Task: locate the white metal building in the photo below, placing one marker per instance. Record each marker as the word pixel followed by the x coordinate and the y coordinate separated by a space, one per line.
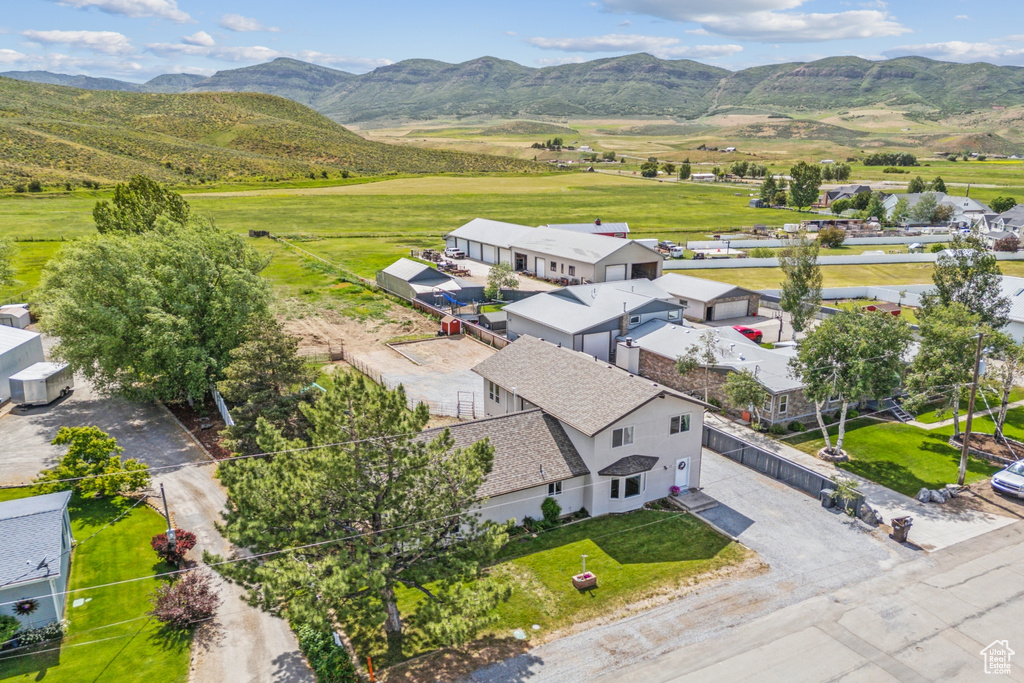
pixel 18 350
pixel 708 300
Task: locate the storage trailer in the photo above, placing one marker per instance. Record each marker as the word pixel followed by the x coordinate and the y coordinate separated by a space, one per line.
pixel 41 384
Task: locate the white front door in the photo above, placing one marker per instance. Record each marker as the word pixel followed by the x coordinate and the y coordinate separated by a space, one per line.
pixel 683 473
pixel 539 266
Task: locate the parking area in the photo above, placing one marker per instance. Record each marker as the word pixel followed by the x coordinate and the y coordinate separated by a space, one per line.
pixel 479 271
pixel 436 371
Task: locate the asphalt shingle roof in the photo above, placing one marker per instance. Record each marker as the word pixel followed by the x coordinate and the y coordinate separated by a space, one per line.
pixel 30 533
pixel 530 449
pixel 584 393
pixel 631 464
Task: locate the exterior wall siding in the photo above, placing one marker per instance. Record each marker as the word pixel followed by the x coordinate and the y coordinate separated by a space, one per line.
pixel 526 503
pixel 38 591
pixel 518 326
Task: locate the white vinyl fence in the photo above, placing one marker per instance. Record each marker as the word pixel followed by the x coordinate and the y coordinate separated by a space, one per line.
pixel 851 260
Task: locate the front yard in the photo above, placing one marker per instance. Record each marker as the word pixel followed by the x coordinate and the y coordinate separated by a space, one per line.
pixel 899 456
pixel 109 637
pixel 636 557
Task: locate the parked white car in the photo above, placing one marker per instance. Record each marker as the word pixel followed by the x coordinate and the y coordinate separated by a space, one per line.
pixel 1010 480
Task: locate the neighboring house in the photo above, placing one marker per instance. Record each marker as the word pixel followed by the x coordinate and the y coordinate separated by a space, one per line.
pixel 1013 289
pixel 841 192
pixel 652 349
pixel 18 350
pixel 993 236
pixel 595 228
pixel 415 280
pixel 707 300
pixel 1011 220
pixel 965 209
pixel 587 318
pixel 36 540
pixel 556 254
pixel 635 437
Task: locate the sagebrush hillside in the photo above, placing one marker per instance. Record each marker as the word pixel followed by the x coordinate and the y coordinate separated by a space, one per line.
pixel 59 134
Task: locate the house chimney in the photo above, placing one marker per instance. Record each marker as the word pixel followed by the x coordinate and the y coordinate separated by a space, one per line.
pixel 627 356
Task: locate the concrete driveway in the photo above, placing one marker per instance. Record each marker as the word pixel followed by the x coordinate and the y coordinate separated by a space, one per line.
pixel 810 551
pixel 244 643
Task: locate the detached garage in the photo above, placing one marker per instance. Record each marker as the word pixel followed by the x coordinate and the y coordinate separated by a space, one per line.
pixel 18 350
pixel 709 301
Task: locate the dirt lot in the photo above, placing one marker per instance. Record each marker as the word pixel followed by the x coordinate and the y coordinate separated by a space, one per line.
pixel 329 328
pixel 435 370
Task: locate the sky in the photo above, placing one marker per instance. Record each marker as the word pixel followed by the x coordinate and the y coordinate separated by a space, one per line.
pixel 137 39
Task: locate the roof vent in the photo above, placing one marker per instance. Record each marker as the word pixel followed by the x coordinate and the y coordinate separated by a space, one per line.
pixel 629 341
pixel 597 221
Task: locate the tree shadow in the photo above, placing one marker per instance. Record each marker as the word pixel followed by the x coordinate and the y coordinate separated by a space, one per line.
pixel 291 667
pixel 40 658
pixel 172 639
pixel 99 511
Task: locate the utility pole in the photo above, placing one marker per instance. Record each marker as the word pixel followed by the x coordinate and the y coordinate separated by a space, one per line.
pixel 171 536
pixel 970 414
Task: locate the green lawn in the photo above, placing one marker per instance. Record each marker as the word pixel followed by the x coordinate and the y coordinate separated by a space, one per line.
pixel 98 647
pixel 901 457
pixel 931 416
pixel 635 556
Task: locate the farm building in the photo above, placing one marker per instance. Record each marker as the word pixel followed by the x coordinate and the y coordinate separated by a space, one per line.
pixel 415 280
pixel 36 558
pixel 15 316
pixel 587 318
pixel 556 254
pixel 595 228
pixel 707 300
pixel 18 350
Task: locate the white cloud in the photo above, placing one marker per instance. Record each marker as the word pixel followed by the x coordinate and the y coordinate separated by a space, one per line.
pixel 61 63
pixel 199 38
pixel 767 20
pixel 997 52
pixel 626 23
pixel 962 17
pixel 558 61
pixel 106 42
pixel 164 9
pixel 11 57
pixel 511 33
pixel 659 46
pixel 355 63
pixel 241 24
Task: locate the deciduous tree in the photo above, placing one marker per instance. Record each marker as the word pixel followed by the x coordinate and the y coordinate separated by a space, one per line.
pixel 916 186
pixel 684 169
pixel 7 270
pixel 840 205
pixel 136 205
pixel 768 189
pixel 1002 204
pixel 186 602
pixel 501 276
pixel 969 274
pixel 801 288
pixel 153 315
pixel 93 464
pixel 400 504
pixel 831 237
pixel 744 391
pixel 804 184
pixel 702 354
pixel 937 185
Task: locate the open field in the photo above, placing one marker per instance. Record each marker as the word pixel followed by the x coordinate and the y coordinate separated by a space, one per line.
pixel 109 636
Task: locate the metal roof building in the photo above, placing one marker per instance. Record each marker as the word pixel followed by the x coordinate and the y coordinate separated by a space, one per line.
pixel 598 227
pixel 708 300
pixel 18 350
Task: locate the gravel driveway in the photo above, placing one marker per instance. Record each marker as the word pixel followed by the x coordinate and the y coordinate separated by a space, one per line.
pixel 809 550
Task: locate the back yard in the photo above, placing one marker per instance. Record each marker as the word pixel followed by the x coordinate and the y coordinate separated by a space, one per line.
pixel 109 635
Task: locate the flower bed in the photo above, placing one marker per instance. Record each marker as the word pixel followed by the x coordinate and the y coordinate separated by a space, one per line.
pixel 584 581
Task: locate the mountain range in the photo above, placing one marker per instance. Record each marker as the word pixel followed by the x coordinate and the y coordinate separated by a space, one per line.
pixel 633 85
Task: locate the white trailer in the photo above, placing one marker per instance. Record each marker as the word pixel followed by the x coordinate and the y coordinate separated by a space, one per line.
pixel 41 384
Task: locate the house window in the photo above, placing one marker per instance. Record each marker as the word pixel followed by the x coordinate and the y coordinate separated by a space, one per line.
pixel 632 486
pixel 673 315
pixel 622 436
pixel 767 407
pixel 555 488
pixel 634 320
pixel 554 266
pixel 563 269
pixel 680 423
pixel 572 270
pixel 783 404
pixel 615 488
pixel 493 391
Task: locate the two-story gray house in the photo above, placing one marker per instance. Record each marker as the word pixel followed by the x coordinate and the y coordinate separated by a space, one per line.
pixel 618 440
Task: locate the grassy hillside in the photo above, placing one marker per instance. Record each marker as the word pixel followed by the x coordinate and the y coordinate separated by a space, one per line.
pixel 60 134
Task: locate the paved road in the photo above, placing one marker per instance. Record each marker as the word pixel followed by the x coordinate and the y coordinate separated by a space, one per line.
pixel 926 620
pixel 244 644
pixel 810 552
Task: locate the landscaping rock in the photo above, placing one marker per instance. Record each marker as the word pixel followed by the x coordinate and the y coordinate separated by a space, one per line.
pixel 868 515
pixel 924 495
pixel 952 491
pixel 938 497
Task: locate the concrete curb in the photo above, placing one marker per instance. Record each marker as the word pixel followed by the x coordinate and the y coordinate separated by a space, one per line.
pixel 185 429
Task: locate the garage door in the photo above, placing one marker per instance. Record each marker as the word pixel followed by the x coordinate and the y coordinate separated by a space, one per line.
pixel 474 250
pixel 490 254
pixel 505 256
pixel 612 273
pixel 731 309
pixel 597 344
pixel 463 244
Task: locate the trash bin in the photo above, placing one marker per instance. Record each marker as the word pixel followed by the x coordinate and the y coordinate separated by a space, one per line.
pixel 828 498
pixel 900 528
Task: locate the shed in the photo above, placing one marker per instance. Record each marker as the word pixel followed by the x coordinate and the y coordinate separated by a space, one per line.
pixel 451 325
pixel 18 350
pixel 36 533
pixel 415 280
pixel 15 316
pixel 707 300
pixel 496 321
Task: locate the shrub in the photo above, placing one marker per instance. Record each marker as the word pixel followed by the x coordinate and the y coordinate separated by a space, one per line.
pixel 185 602
pixel 332 664
pixel 761 252
pixel 776 429
pixel 35 186
pixel 551 510
pixel 8 627
pixel 529 523
pixel 797 426
pixel 1010 244
pixel 19 188
pixel 34 636
pixel 184 541
pixel 852 414
pixel 937 247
